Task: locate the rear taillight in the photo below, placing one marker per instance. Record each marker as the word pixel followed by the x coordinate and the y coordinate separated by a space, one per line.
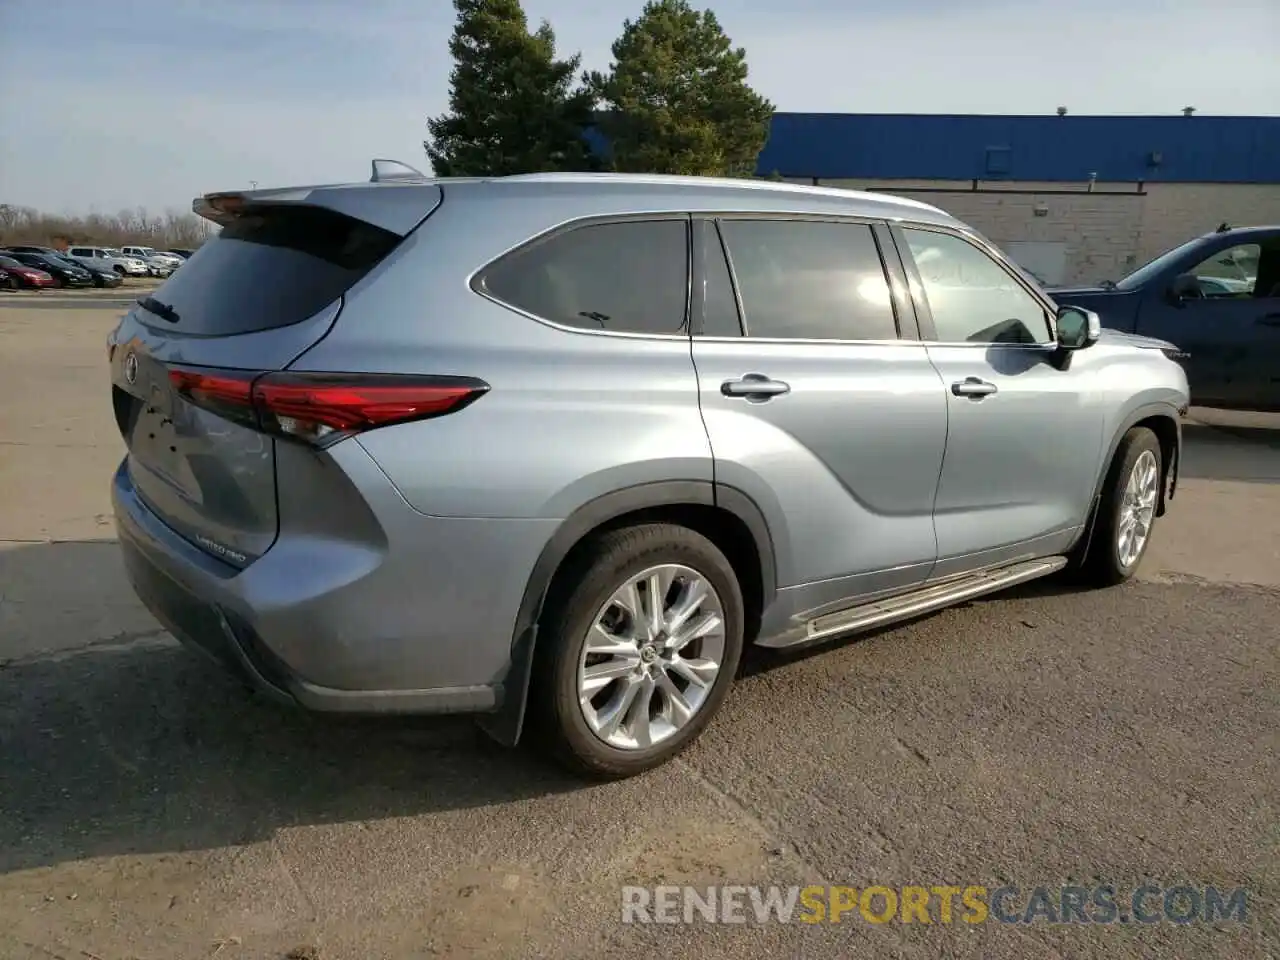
pixel 322 408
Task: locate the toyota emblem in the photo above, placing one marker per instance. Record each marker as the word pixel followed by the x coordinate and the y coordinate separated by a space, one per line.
pixel 131 367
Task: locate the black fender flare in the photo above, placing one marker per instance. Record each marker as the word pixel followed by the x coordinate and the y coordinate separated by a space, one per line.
pixel 1168 482
pixel 506 723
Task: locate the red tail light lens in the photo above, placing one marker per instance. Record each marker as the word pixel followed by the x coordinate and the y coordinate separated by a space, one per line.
pixel 228 394
pixel 322 408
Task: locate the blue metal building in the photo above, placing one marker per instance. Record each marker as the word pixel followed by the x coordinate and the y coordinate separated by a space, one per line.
pixel 1176 149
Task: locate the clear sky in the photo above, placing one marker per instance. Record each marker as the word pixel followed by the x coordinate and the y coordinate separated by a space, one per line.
pixel 108 104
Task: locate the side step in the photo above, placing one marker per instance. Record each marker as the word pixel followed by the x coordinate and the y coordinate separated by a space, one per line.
pixel 928 598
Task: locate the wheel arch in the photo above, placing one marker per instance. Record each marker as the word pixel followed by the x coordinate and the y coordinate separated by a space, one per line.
pixel 725 515
pixel 1165 421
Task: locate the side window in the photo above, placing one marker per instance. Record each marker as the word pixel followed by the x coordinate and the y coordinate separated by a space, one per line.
pixel 719 306
pixel 1229 274
pixel 810 280
pixel 630 277
pixel 972 298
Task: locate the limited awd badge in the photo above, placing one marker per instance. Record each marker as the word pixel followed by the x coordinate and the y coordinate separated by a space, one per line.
pixel 131 367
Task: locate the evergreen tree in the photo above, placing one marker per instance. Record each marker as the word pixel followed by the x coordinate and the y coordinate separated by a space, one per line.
pixel 513 107
pixel 676 98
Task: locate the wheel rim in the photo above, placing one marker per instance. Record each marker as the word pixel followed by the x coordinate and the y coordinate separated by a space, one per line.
pixel 1138 508
pixel 651 657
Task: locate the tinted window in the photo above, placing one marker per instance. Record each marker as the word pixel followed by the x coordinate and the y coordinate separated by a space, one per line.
pixel 719 306
pixel 972 298
pixel 808 280
pixel 269 268
pixel 623 277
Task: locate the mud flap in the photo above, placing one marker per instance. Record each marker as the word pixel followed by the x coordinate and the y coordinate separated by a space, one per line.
pixel 507 723
pixel 1171 477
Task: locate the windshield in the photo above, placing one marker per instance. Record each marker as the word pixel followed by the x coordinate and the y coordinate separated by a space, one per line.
pixel 1156 266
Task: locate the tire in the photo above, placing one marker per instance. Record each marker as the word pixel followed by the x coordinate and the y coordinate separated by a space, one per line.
pixel 119 269
pixel 1106 563
pixel 561 724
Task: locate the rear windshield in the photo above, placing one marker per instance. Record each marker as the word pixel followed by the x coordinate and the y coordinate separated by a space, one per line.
pixel 271 267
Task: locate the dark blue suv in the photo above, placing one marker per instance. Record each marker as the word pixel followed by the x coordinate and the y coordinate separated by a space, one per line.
pixel 1218 298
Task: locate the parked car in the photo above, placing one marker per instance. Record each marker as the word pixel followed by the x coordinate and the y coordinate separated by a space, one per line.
pixel 184 254
pixel 1218 298
pixel 99 277
pixel 29 249
pixel 25 277
pixel 568 442
pixel 64 274
pixel 137 266
pixel 155 266
pixel 151 255
pixel 106 258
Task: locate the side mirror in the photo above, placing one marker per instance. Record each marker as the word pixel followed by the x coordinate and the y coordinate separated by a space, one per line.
pixel 1185 286
pixel 1078 328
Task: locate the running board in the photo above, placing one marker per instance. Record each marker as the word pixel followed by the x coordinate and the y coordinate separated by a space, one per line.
pixel 927 599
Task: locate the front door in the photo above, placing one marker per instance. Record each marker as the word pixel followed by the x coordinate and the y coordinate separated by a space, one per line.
pixel 815 408
pixel 1024 442
pixel 1230 326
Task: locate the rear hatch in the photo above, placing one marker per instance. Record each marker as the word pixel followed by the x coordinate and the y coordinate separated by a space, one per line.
pixel 189 360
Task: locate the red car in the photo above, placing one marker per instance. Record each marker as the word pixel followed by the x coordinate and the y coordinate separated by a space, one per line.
pixel 20 275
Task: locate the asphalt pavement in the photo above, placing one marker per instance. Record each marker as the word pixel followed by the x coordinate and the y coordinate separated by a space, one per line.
pixel 149 807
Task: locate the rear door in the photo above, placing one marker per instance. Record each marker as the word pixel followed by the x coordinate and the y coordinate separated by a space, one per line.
pixel 253 298
pixel 816 406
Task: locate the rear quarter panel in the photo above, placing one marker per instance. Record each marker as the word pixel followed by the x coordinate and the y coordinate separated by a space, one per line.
pixel 570 415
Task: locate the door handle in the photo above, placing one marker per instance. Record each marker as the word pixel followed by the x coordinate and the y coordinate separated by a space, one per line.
pixel 1270 320
pixel 754 387
pixel 973 388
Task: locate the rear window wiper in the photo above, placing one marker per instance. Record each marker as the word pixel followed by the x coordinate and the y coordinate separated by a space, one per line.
pixel 161 310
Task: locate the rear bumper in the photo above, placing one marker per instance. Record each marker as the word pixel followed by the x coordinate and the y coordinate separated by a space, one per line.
pixel 317 634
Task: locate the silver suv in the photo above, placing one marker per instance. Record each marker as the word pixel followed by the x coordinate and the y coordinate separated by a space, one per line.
pixel 552 448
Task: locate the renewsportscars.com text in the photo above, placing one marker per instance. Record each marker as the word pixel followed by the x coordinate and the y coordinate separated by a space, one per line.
pixel 941 904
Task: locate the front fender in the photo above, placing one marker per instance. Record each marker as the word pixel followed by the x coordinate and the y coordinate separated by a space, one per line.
pixel 1173 412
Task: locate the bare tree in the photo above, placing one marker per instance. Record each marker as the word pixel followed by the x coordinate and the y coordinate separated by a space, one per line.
pixel 138 227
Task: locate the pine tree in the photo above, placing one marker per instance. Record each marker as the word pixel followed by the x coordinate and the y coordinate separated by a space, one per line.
pixel 513 107
pixel 676 98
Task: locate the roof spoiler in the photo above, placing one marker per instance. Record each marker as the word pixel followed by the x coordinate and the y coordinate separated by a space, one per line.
pixel 220 208
pixel 397 210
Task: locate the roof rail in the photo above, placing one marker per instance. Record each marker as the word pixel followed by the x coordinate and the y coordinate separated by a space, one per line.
pixel 384 170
